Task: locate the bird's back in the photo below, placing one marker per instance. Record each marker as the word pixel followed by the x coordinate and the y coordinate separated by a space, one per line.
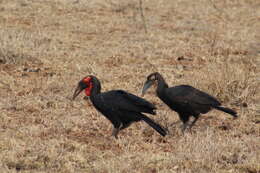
pixel 190 94
pixel 119 100
pixel 187 99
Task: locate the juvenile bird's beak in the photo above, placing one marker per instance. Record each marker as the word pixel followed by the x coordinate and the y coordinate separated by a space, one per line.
pixel 147 85
pixel 77 91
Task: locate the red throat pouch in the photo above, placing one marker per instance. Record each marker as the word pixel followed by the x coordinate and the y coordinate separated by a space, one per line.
pixel 88 90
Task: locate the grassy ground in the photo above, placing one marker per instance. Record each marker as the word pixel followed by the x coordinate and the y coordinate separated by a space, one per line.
pixel 47 46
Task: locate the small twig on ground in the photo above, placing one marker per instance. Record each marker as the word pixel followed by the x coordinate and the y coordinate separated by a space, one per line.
pixel 142 14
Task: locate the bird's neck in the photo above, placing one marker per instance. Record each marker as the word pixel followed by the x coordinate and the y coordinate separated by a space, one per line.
pixel 161 84
pixel 96 88
pixel 95 91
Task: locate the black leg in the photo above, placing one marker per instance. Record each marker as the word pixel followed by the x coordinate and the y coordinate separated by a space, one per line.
pixel 116 131
pixel 184 127
pixel 185 120
pixel 194 121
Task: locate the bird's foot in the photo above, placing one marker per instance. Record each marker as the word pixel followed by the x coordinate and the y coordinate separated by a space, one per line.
pixel 115 132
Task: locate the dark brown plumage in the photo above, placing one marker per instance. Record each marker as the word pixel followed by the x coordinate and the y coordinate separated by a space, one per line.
pixel 186 100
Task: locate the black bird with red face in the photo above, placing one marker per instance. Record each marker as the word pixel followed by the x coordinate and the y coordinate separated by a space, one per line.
pixel 184 99
pixel 119 107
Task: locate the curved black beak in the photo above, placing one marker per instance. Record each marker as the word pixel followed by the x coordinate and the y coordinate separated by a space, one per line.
pixel 77 91
pixel 147 85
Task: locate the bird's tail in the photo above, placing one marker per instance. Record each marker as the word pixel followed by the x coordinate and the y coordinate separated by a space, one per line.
pixel 154 125
pixel 227 110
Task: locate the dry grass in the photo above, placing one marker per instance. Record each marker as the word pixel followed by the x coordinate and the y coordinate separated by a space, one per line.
pixel 47 46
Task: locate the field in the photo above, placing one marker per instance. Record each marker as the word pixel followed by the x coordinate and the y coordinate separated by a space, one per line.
pixel 47 46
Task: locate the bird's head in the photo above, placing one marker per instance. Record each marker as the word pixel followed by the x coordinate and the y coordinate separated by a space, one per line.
pixel 151 79
pixel 85 84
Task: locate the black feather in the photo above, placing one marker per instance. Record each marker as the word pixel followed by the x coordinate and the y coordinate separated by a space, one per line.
pixel 186 100
pixel 227 110
pixel 154 125
pixel 122 108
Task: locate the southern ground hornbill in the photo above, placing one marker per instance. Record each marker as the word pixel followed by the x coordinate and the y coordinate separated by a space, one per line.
pixel 118 106
pixel 184 99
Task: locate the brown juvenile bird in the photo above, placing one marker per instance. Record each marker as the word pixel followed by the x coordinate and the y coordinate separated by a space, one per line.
pixel 186 100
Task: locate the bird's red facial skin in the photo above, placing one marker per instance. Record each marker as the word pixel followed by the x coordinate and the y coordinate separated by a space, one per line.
pixel 88 90
pixel 87 80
